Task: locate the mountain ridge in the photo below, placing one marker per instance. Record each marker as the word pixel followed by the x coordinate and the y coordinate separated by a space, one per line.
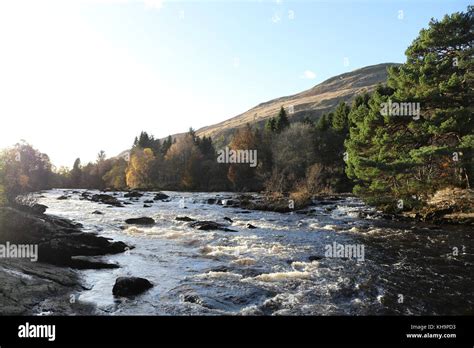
pixel 312 102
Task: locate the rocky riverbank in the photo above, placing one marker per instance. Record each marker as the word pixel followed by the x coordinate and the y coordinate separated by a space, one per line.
pixel 447 206
pixel 49 285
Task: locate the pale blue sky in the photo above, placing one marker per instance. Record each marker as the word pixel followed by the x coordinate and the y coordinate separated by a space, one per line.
pixel 84 75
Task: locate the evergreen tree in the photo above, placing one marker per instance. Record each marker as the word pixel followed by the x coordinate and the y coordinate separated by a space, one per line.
pixel 324 122
pixel 282 121
pixel 395 156
pixel 270 125
pixel 340 119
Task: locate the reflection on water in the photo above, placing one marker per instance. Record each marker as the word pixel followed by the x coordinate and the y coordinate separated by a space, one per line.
pixel 279 268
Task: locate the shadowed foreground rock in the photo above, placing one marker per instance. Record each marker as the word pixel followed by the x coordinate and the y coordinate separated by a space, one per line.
pixel 130 286
pixel 58 239
pixel 31 288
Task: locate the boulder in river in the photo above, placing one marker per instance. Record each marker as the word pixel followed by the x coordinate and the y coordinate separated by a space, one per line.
pixel 210 226
pixel 148 201
pixel 250 226
pixel 134 194
pixel 130 286
pixel 228 219
pixel 184 218
pixel 62 198
pixel 314 258
pixel 140 221
pixel 146 206
pixel 106 199
pixel 160 196
pixel 96 212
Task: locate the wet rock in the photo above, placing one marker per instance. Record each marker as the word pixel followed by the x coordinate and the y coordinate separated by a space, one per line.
pixel 315 258
pixel 30 288
pixel 218 269
pixel 38 209
pixel 146 206
pixel 148 201
pixel 35 209
pixel 210 226
pixel 130 286
pixel 106 199
pixel 228 219
pixel 184 218
pixel 276 205
pixel 250 226
pixel 133 194
pixel 140 221
pixel 191 298
pixel 96 212
pixel 62 198
pixel 58 239
pixel 160 196
pixel 82 262
pixel 228 203
pixel 211 201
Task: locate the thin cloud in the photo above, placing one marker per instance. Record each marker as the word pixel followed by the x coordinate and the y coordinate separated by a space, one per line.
pixel 308 75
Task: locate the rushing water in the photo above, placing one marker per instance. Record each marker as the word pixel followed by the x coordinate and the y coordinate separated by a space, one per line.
pixel 406 269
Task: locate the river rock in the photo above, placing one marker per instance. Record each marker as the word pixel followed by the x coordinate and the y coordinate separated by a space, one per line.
pixel 210 226
pixel 140 221
pixel 35 209
pixel 250 226
pixel 133 194
pixel 96 212
pixel 130 286
pixel 148 201
pixel 58 239
pixel 106 199
pixel 160 196
pixel 314 258
pixel 62 198
pixel 184 218
pixel 228 219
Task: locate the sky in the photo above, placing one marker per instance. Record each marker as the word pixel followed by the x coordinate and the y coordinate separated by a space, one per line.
pixel 80 76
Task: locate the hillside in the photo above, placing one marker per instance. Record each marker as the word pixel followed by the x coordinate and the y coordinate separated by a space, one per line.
pixel 312 103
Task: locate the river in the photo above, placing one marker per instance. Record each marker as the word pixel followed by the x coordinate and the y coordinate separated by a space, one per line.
pixel 281 267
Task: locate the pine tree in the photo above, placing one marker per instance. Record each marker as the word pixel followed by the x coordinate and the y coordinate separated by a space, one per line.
pixel 340 119
pixel 405 157
pixel 282 121
pixel 324 122
pixel 270 125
